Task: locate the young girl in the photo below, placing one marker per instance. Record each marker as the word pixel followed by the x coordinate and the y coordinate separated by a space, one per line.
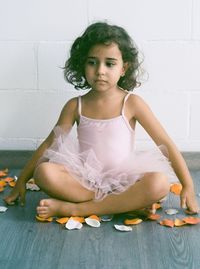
pixel 100 172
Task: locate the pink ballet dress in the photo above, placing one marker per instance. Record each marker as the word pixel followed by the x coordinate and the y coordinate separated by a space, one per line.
pixel 102 157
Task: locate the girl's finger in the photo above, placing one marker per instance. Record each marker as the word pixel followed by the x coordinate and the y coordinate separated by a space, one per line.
pixel 22 199
pixel 10 200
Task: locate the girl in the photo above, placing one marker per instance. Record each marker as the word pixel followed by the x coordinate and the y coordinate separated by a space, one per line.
pixel 100 173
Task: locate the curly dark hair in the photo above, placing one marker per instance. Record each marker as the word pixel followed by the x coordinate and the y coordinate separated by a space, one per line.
pixel 102 33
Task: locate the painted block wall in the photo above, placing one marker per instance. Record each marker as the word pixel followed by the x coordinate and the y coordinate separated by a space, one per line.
pixel 35 37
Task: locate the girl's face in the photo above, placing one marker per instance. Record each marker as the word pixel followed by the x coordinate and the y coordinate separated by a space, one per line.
pixel 104 67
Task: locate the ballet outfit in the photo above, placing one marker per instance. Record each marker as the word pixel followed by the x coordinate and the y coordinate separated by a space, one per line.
pixel 102 157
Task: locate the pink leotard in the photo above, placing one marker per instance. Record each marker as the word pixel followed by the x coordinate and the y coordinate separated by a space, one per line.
pixel 112 139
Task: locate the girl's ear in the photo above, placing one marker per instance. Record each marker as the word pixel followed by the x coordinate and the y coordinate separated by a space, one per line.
pixel 125 68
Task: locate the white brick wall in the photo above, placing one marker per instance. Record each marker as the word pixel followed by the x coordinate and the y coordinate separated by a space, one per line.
pixel 35 37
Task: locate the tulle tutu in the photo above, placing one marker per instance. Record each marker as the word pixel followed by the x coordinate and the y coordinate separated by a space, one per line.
pixel 90 173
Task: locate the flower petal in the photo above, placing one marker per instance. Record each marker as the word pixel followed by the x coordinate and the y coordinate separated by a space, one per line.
pixel 8 179
pixel 179 222
pixel 176 188
pixel 132 221
pixel 73 224
pixel 191 220
pixel 79 219
pixel 171 211
pixel 167 222
pixel 93 222
pixel 62 220
pixel 50 219
pixel 3 209
pixel 123 228
pixel 153 217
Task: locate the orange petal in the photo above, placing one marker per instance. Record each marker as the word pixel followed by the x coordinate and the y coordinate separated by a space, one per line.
pixel 3 174
pixel 167 222
pixel 132 221
pixel 79 219
pixel 8 179
pixel 94 217
pixel 2 183
pixel 179 222
pixel 43 219
pixel 12 184
pixel 153 217
pixel 191 220
pixel 176 188
pixel 62 220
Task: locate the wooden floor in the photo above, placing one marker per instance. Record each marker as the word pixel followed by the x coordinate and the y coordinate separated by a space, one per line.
pixel 28 244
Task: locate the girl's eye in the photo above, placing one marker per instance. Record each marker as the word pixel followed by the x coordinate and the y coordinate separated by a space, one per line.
pixel 91 62
pixel 110 64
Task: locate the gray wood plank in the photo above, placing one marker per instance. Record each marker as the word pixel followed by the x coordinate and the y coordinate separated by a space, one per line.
pixel 28 244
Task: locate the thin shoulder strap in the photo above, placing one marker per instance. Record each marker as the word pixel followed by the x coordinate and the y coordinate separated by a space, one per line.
pixel 79 105
pixel 125 99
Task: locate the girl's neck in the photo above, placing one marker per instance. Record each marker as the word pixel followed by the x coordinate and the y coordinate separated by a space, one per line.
pixel 105 94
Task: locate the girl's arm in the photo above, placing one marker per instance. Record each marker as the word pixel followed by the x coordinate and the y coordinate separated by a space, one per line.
pixel 143 114
pixel 66 120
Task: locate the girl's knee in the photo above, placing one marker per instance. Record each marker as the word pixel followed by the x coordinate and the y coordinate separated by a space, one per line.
pixel 158 185
pixel 44 172
pixel 41 170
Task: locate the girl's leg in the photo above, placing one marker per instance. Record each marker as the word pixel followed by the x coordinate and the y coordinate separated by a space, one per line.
pixel 151 188
pixel 54 180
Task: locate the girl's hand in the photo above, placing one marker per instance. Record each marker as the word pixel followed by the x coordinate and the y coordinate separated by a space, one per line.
pixel 188 200
pixel 18 192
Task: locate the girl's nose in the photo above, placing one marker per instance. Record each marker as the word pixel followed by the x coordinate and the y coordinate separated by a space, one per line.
pixel 100 69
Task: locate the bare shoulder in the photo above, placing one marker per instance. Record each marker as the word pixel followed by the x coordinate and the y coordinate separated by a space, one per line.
pixel 71 104
pixel 69 113
pixel 136 99
pixel 135 103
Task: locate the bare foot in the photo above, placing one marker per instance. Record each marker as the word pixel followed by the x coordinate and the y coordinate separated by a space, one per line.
pixel 53 207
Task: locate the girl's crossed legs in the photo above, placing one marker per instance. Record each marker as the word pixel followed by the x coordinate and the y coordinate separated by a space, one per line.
pixel 69 198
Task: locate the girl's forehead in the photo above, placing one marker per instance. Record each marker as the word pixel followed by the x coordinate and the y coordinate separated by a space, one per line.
pixel 107 50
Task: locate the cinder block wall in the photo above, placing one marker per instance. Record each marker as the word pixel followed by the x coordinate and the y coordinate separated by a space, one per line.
pixel 35 37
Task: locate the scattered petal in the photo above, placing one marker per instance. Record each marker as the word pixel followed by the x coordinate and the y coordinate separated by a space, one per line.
pixel 92 222
pixel 191 220
pixel 179 222
pixel 73 224
pixel 171 211
pixel 123 228
pixel 176 188
pixel 12 184
pixel 94 217
pixel 132 221
pixel 167 222
pixel 8 179
pixel 3 173
pixel 2 183
pixel 153 217
pixel 32 187
pixel 62 220
pixel 3 209
pixel 50 219
pixel 107 217
pixel 79 219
